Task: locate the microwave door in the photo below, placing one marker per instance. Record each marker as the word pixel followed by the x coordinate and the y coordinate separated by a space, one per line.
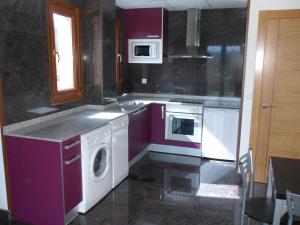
pixel 142 50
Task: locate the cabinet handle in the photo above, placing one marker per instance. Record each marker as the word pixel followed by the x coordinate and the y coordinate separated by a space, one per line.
pixel 72 145
pixel 73 160
pixel 162 112
pixel 153 36
pixel 140 111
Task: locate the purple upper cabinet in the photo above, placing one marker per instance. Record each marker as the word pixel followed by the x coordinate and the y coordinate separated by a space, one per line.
pixel 43 187
pixel 158 121
pixel 143 23
pixel 148 23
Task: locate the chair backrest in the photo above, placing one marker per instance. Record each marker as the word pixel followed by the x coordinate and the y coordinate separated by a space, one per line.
pixel 293 205
pixel 246 168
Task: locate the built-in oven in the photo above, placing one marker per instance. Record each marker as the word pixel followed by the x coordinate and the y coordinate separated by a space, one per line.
pixel 184 122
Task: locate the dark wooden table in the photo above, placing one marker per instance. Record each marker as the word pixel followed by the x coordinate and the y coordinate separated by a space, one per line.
pixel 284 174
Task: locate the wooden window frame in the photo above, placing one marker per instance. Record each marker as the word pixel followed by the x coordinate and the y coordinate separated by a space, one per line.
pixel 61 97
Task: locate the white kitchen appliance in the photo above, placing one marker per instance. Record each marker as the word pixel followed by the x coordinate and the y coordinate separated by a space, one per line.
pixel 184 122
pixel 96 166
pixel 220 132
pixel 120 149
pixel 145 51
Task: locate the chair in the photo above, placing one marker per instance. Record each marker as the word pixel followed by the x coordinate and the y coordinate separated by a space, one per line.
pixel 259 209
pixel 293 205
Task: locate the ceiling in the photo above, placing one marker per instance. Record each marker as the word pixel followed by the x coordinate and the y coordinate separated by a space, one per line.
pixel 182 4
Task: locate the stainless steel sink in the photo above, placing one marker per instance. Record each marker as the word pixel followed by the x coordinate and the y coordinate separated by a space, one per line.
pixel 130 103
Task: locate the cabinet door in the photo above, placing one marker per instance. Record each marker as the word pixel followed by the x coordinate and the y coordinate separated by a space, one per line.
pixel 145 127
pixel 72 173
pixel 143 23
pixel 220 129
pixel 158 123
pixel 133 136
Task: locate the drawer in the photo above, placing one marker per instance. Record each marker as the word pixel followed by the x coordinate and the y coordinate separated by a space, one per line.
pixel 71 148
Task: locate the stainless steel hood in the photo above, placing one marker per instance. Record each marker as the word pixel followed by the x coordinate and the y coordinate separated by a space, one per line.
pixel 192 48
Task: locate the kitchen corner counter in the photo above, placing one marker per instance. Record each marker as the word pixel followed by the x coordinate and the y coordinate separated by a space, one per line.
pixel 60 127
pixel 207 101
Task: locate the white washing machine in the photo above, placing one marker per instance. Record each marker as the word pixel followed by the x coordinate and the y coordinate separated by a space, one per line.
pixel 120 149
pixel 96 166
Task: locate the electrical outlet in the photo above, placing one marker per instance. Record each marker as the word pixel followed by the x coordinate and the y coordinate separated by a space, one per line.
pixel 144 80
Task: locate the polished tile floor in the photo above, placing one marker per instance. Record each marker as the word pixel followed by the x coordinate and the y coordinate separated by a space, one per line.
pixel 164 189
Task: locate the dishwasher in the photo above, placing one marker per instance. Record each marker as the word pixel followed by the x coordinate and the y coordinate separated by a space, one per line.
pixel 120 149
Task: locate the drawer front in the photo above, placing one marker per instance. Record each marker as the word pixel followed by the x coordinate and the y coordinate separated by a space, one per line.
pixel 71 148
pixel 72 173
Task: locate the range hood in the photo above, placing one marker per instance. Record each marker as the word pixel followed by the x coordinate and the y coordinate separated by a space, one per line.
pixel 192 48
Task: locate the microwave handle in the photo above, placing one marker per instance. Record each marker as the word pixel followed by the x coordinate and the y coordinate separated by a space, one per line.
pixel 153 36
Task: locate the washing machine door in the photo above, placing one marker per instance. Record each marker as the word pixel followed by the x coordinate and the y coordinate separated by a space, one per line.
pixel 100 163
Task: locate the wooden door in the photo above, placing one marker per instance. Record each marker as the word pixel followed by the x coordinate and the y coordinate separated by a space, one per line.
pixel 275 129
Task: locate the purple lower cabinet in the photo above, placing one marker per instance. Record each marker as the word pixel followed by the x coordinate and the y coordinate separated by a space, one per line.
pixel 133 134
pixel 145 128
pixel 36 181
pixel 158 120
pixel 139 131
pixel 72 173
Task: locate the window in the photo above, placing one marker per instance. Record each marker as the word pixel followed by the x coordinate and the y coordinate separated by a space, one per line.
pixel 65 60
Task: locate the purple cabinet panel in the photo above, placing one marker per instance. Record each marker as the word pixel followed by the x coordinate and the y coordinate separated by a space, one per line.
pixel 35 173
pixel 158 123
pixel 133 136
pixel 72 173
pixel 139 131
pixel 158 120
pixel 143 23
pixel 43 186
pixel 146 23
pixel 145 127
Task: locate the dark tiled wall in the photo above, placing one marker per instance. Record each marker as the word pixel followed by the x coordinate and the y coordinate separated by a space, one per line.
pixel 109 14
pixel 222 35
pixel 24 62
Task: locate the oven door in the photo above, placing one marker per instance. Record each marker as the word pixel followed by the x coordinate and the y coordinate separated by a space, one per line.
pixel 183 127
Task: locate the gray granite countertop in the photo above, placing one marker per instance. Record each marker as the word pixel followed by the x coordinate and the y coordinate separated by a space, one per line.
pixel 63 128
pixel 70 123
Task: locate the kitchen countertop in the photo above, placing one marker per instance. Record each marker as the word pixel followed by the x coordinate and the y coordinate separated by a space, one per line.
pixel 64 125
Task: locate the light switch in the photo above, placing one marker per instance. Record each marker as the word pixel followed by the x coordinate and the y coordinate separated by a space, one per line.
pixel 144 80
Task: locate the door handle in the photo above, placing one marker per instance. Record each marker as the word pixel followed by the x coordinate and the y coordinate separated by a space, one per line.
pixel 73 160
pixel 265 106
pixel 162 112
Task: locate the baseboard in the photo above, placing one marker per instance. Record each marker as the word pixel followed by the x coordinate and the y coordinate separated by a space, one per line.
pixel 174 150
pixel 138 157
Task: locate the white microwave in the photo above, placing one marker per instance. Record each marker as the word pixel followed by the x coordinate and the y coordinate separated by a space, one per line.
pixel 145 51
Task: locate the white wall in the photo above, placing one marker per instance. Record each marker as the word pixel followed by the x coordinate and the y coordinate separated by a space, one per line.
pixel 3 194
pixel 255 7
